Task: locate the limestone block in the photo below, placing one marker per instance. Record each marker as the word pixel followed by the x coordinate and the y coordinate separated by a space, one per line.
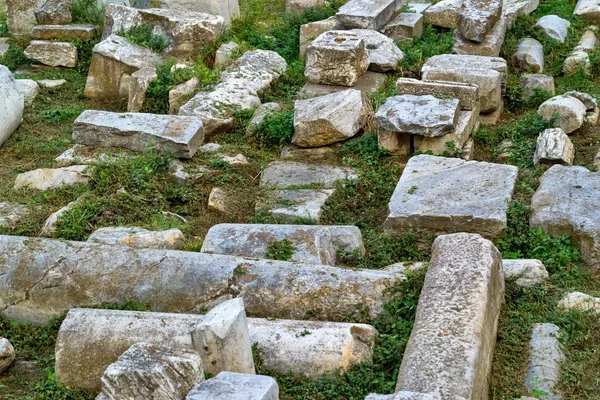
pixel 526 273
pixel 554 147
pixel 11 213
pixel 529 56
pixel 444 13
pixel 83 32
pixel 449 61
pixel 512 9
pixel 477 17
pixel 227 9
pixel 54 54
pixel 370 82
pixel 261 112
pixel 368 14
pixel 490 46
pixel 466 93
pixel 394 143
pixel 12 104
pixel 290 174
pixel 29 89
pixel 571 112
pixel 138 238
pixel 181 93
pixel 529 83
pixel 231 385
pixel 406 26
pixel 384 55
pixel 299 6
pixel 465 125
pixel 224 53
pixel 54 12
pixel 20 15
pixel 46 178
pixel 312 30
pixel 295 205
pixel 589 10
pixel 554 27
pixel 580 302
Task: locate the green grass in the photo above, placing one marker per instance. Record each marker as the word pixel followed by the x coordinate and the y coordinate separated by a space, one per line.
pixel 282 250
pixel 143 35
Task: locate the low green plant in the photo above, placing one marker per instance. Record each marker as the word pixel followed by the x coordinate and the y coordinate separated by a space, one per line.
pixel 276 128
pixel 432 42
pixel 88 12
pixel 281 250
pixel 143 35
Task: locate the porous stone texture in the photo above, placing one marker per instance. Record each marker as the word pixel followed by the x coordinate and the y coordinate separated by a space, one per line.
pixel 490 46
pixel 312 30
pixel 529 83
pixel 114 60
pixel 589 10
pixel 445 195
pixel 543 373
pixel 311 244
pixel 218 201
pixel 11 213
pixel 336 58
pixel 138 238
pixel 512 9
pixel 228 9
pixel 311 348
pixel 152 372
pixel 525 273
pixel 139 132
pixel 477 17
pixel 295 206
pixel 406 26
pixel 261 112
pixel 567 203
pixel 252 73
pixel 444 13
pixel 529 56
pixel 54 12
pixel 308 155
pixel 418 115
pixel 370 82
pixel 44 278
pixel 329 119
pixel 467 121
pixel 384 55
pixel 554 147
pixel 466 93
pixel 181 93
pixel 472 62
pixel 12 104
pixel 29 89
pixel 51 223
pixel 7 354
pixel 231 385
pixel 138 85
pixel 457 319
pixel 588 101
pixel 53 54
pixel 83 32
pixel 46 178
pixel 554 26
pixel 286 174
pixel 571 112
pixel 368 14
pixel 20 15
pixel 185 32
pixel 224 54
pixel 580 302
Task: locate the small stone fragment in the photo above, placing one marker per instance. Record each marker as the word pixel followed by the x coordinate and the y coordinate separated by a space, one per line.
pixel 289 174
pixel 580 302
pixel 51 222
pixel 477 17
pixel 444 13
pixel 261 112
pixel 52 83
pixel 139 238
pixel 181 93
pixel 554 27
pixel 406 26
pixel 224 53
pixel 11 213
pixel 529 56
pixel 554 147
pixel 45 179
pixel 233 386
pixel 544 363
pixel 525 273
pixel 530 83
pixel 217 201
pixel 571 112
pixel 490 46
pixel 589 10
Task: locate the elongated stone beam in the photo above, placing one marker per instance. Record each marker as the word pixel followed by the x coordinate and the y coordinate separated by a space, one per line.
pixel 41 278
pixel 451 346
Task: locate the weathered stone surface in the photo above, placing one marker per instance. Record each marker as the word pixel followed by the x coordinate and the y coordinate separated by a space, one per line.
pixel 418 115
pixel 114 60
pixel 46 178
pixel 473 62
pixel 20 16
pixel 580 302
pixel 457 319
pixel 218 201
pixel 468 150
pixel 4 47
pixel 467 93
pixel 251 73
pixel 231 385
pixel 370 82
pixel 52 83
pixel 406 26
pixel 336 58
pixel 307 155
pixel 529 56
pixel 493 117
pixel 382 52
pixel 7 354
pixel 227 9
pixel 529 83
pixel 152 372
pixel 571 112
pixel 224 54
pixel 404 395
pixel 54 12
pixel 543 373
pixel 477 17
pixel 11 213
pixel 295 206
pixel 554 27
pixel 29 89
pixel 490 46
pixel 589 10
pixel 51 222
pixel 467 121
pixel 46 277
pixel 310 348
pixel 185 32
pixel 138 85
pixel 512 9
pixel 444 13
pixel 446 195
pixel 580 58
pixel 588 101
pixel 329 119
pixel 138 238
pixel 181 93
pixel 394 143
pixel 54 54
pixel 223 340
pixel 566 203
pixel 368 14
pixel 554 147
pixel 138 132
pixel 65 32
pixel 298 6
pixel 417 7
pixel 261 112
pixel 289 174
pixel 312 30
pixel 311 244
pixel 526 273
pixel 11 103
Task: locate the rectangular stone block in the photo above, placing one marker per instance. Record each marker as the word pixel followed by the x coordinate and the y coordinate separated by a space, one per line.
pixel 65 32
pixel 489 47
pixel 438 145
pixel 446 61
pixel 139 132
pixel 53 54
pixel 232 386
pixel 467 93
pixel 398 144
pixel 12 104
pixel 406 26
pixel 20 16
pixel 451 346
pixel 368 14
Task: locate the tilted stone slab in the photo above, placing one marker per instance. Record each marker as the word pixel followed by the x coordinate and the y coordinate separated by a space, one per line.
pixel 589 10
pixel 467 93
pixel 370 82
pixel 489 47
pixel 451 345
pixel 477 17
pixel 448 61
pixel 139 132
pixel 65 32
pixel 44 278
pixel 368 14
pixel 12 104
pixel 233 386
pixel 445 195
pixel 567 202
pixel 546 356
pixel 53 54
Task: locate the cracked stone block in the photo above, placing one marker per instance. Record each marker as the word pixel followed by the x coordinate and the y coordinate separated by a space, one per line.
pixel 311 348
pixel 368 14
pixel 139 132
pixel 477 17
pixel 383 53
pixel 83 32
pixel 456 140
pixel 152 372
pixel 456 319
pixel 12 104
pixel 525 273
pixel 466 93
pixel 589 10
pixel 529 56
pixel 138 238
pixel 227 9
pixel 230 386
pixel 570 111
pixel 53 54
pixel 54 12
pixel 336 58
pixel 580 302
pixel 554 147
pixel 46 178
pixel 444 13
pixel 405 26
pixel 529 83
pixel 546 356
pixel 554 26
pixel 490 46
pixel 437 195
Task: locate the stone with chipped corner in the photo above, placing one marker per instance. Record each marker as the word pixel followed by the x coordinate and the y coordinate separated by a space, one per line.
pixel 54 12
pixel 443 13
pixel 312 30
pixel 456 319
pixel 466 93
pixel 7 354
pixel 83 32
pixel 529 56
pixel 329 119
pixel 218 201
pixel 455 140
pixel 554 147
pixel 46 178
pixel 139 132
pixel 406 26
pixel 231 385
pixel 441 195
pixel 532 83
pixel 383 53
pixel 490 46
pixel 554 26
pixel 477 17
pixel 546 356
pixel 53 54
pixel 581 302
pixel 568 111
pixel 525 273
pixel 12 104
pixel 368 14
pixel 138 238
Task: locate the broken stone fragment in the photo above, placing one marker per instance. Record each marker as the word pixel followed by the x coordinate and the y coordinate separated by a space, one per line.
pixel 29 89
pixel 181 93
pixel 444 13
pixel 227 9
pixel 394 143
pixel 53 54
pixel 477 17
pixel 525 273
pixel 588 10
pixel 45 178
pixel 384 55
pixel 370 82
pixel 405 26
pixel 529 56
pixel 146 371
pixel 469 62
pixel 554 147
pixel 546 356
pixel 368 14
pixel 490 46
pixel 50 225
pixel 139 238
pixel 307 155
pixel 554 26
pixel 224 54
pixel 312 30
pixel 570 111
pixel 83 32
pixel 450 142
pixel 588 101
pixel 12 104
pixel 7 354
pixel 11 213
pixel 513 9
pixel 295 206
pixel 466 93
pixel 579 302
pixel 579 60
pixel 54 12
pixel 231 385
pixel 329 119
pixel 298 6
pixel 20 15
pixel 290 174
pixel 259 116
pixel 531 82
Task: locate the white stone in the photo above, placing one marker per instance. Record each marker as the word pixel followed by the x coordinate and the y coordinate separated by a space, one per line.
pixel 529 82
pixel 234 386
pixel 580 58
pixel 543 373
pixel 579 302
pixel 45 178
pixel 445 195
pixel 50 225
pixel 452 342
pixel 512 9
pixel 473 62
pixel 138 238
pixel 588 101
pixel 29 89
pixel 444 13
pixel 368 14
pixel 477 17
pixel 554 147
pixel 11 103
pixel 54 54
pixel 490 46
pixel 238 159
pixel 11 213
pixel 467 93
pixel 529 56
pixel 589 10
pixel 259 116
pixel 329 119
pixel 571 112
pixel 554 27
pixel 405 26
pixel 139 132
pixel 290 174
pixel 224 54
pixel 295 206
pixel 384 55
pixel 20 15
pixel 228 9
pixel 7 354
pixel 310 31
pixel 526 273
pixel 52 83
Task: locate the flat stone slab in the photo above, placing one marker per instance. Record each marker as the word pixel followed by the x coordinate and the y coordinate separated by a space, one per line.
pixel 418 115
pixel 446 195
pixel 368 14
pixel 234 386
pixel 47 178
pixel 451 346
pixel 543 373
pixel 295 175
pixel 139 132
pixel 369 82
pixel 445 61
pixel 406 26
pixel 296 206
pixel 466 93
pixel 138 237
pixel 53 54
pixel 65 32
pixel 567 202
